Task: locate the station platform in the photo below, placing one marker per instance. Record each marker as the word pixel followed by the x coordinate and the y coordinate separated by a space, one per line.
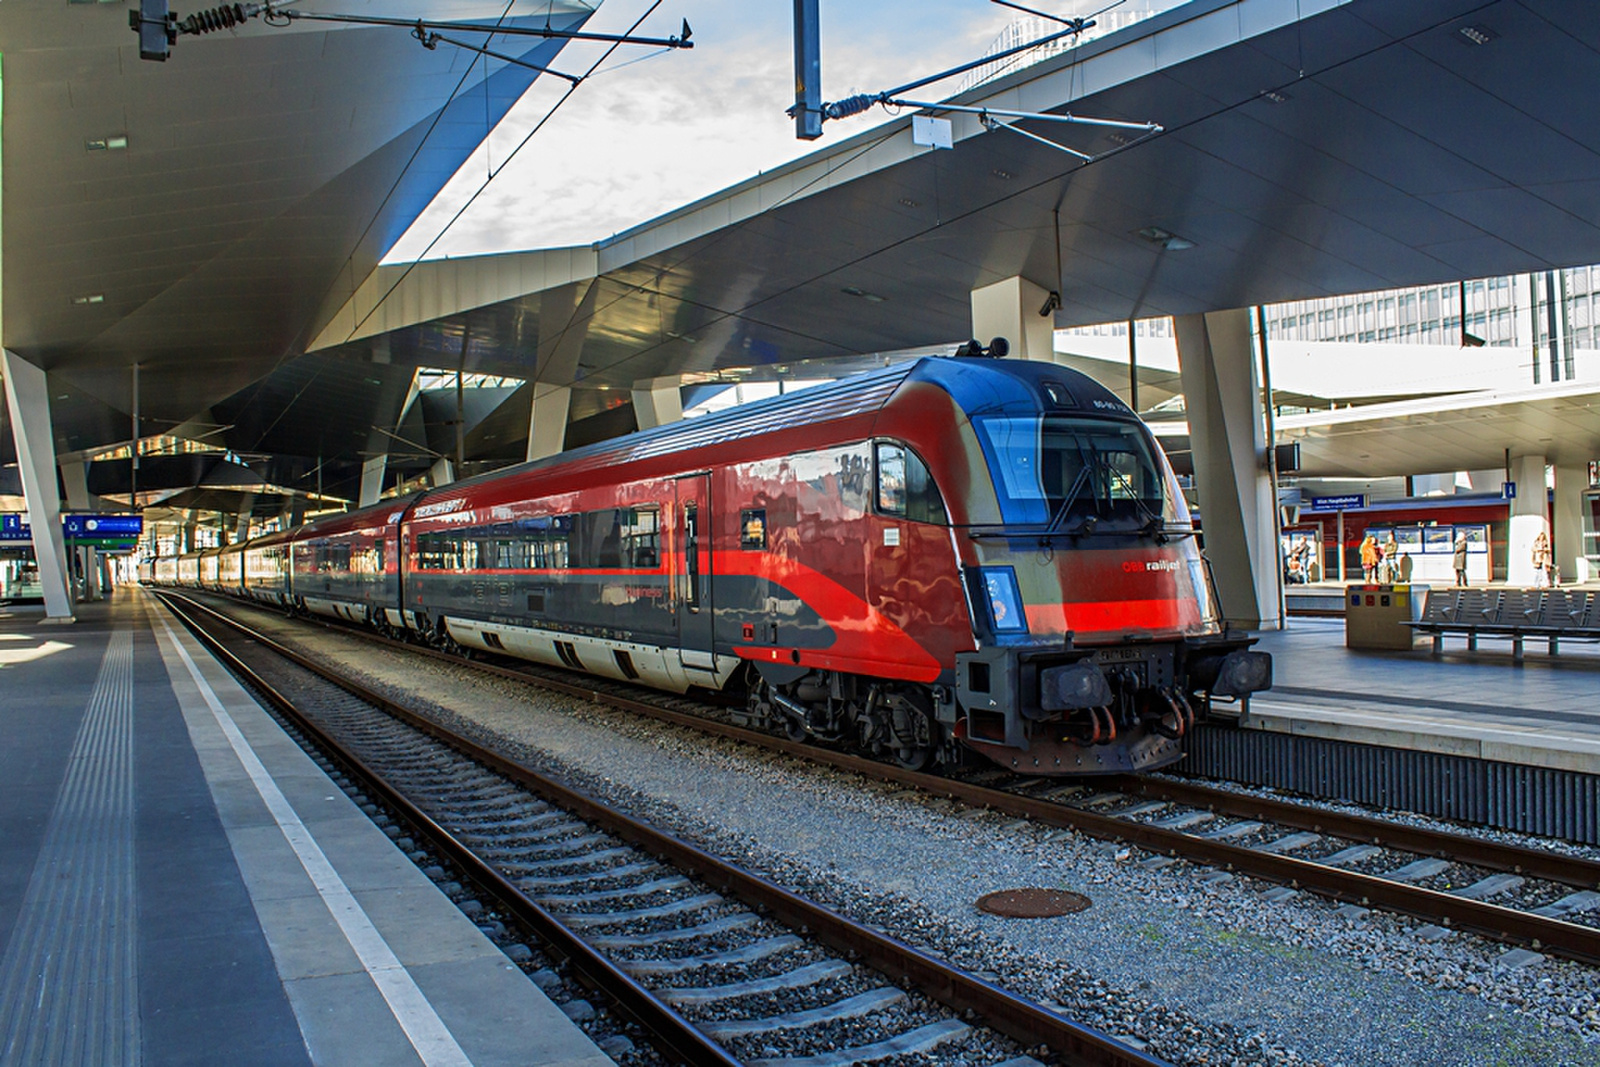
pixel 181 884
pixel 1479 705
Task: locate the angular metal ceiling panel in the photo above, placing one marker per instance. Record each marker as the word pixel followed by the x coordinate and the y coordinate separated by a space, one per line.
pixel 1365 146
pixel 258 167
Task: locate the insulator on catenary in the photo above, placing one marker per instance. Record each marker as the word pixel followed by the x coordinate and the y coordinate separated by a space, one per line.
pixel 850 105
pixel 225 17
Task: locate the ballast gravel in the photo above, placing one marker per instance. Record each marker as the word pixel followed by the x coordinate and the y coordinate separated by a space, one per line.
pixel 1197 972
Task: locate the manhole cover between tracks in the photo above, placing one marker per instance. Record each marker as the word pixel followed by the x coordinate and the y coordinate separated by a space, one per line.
pixel 1032 903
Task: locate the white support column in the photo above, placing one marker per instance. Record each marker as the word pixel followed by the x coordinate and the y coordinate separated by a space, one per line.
pixel 241 521
pixel 564 316
pixel 372 473
pixel 75 480
pixel 28 399
pixel 1010 308
pixel 1530 516
pixel 657 401
pixel 1572 480
pixel 91 574
pixel 1221 391
pixel 547 430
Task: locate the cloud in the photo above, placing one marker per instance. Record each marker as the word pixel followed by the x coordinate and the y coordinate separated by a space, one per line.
pixel 638 140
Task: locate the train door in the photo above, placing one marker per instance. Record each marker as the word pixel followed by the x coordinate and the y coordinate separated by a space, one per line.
pixel 691 558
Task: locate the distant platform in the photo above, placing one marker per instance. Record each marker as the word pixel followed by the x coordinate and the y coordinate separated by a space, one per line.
pixel 1482 705
pixel 181 884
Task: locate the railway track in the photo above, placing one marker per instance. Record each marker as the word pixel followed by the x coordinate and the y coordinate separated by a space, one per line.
pixel 719 965
pixel 1453 881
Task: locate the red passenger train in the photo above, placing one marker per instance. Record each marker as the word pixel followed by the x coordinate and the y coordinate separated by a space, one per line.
pixel 946 554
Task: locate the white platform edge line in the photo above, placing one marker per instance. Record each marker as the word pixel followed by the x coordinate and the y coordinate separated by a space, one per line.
pixel 428 1034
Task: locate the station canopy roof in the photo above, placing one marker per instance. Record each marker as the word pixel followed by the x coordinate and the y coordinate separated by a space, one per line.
pixel 1309 149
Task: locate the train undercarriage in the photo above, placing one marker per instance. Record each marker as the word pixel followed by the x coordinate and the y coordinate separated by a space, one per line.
pixel 1066 711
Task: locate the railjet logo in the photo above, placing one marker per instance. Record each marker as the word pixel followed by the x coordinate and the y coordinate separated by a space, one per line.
pixel 1134 566
pixel 445 507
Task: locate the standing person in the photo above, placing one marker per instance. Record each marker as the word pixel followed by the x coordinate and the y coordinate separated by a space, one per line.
pixel 1541 561
pixel 1369 555
pixel 1391 560
pixel 1460 560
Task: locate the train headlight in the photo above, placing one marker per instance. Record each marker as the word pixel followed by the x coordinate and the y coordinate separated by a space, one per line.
pixel 1004 600
pixel 1233 674
pixel 1242 672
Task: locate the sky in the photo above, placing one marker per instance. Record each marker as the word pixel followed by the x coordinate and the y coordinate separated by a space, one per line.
pixel 641 139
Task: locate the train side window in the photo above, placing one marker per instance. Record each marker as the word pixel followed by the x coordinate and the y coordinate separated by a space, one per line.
pixel 602 540
pixel 639 536
pixel 905 488
pixel 547 541
pixel 753 528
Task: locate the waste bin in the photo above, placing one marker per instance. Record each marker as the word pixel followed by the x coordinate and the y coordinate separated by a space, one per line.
pixel 1375 615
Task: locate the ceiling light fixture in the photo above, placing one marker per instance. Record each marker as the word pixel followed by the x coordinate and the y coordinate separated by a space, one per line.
pixel 1476 34
pixel 1275 96
pixel 907 201
pixel 91 298
pixel 102 144
pixel 871 298
pixel 1003 175
pixel 1165 238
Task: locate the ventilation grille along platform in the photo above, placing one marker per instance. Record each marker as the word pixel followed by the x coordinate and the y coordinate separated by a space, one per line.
pixel 1536 800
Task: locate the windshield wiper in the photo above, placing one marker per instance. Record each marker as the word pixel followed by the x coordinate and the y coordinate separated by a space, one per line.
pixel 1071 498
pixel 1155 525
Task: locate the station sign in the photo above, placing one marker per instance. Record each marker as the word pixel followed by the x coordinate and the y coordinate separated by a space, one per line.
pixel 1351 502
pixel 102 527
pixel 104 531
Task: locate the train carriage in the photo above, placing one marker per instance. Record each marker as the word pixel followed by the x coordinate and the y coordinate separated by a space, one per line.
pixel 230 569
pixel 995 553
pixel 946 555
pixel 347 566
pixel 207 576
pixel 188 570
pixel 266 568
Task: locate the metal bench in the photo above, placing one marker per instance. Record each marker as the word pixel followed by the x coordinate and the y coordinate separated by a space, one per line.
pixel 1552 615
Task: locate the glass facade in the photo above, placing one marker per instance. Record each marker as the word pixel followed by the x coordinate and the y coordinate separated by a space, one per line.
pixel 1547 316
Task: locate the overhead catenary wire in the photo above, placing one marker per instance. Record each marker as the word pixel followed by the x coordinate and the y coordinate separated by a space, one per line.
pixel 1014 62
pixel 743 312
pixel 377 212
pixel 942 222
pixel 1075 26
pixel 484 185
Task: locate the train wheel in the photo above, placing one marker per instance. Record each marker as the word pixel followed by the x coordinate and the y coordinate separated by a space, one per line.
pixel 794 729
pixel 915 732
pixel 915 758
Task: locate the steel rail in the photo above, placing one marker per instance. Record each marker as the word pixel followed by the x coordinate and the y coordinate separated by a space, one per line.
pixel 1499 923
pixel 1477 852
pixel 675 1033
pixel 1018 1018
pixel 1571 940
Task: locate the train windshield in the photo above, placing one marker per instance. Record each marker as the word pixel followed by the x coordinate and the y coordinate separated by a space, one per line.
pixel 1077 475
